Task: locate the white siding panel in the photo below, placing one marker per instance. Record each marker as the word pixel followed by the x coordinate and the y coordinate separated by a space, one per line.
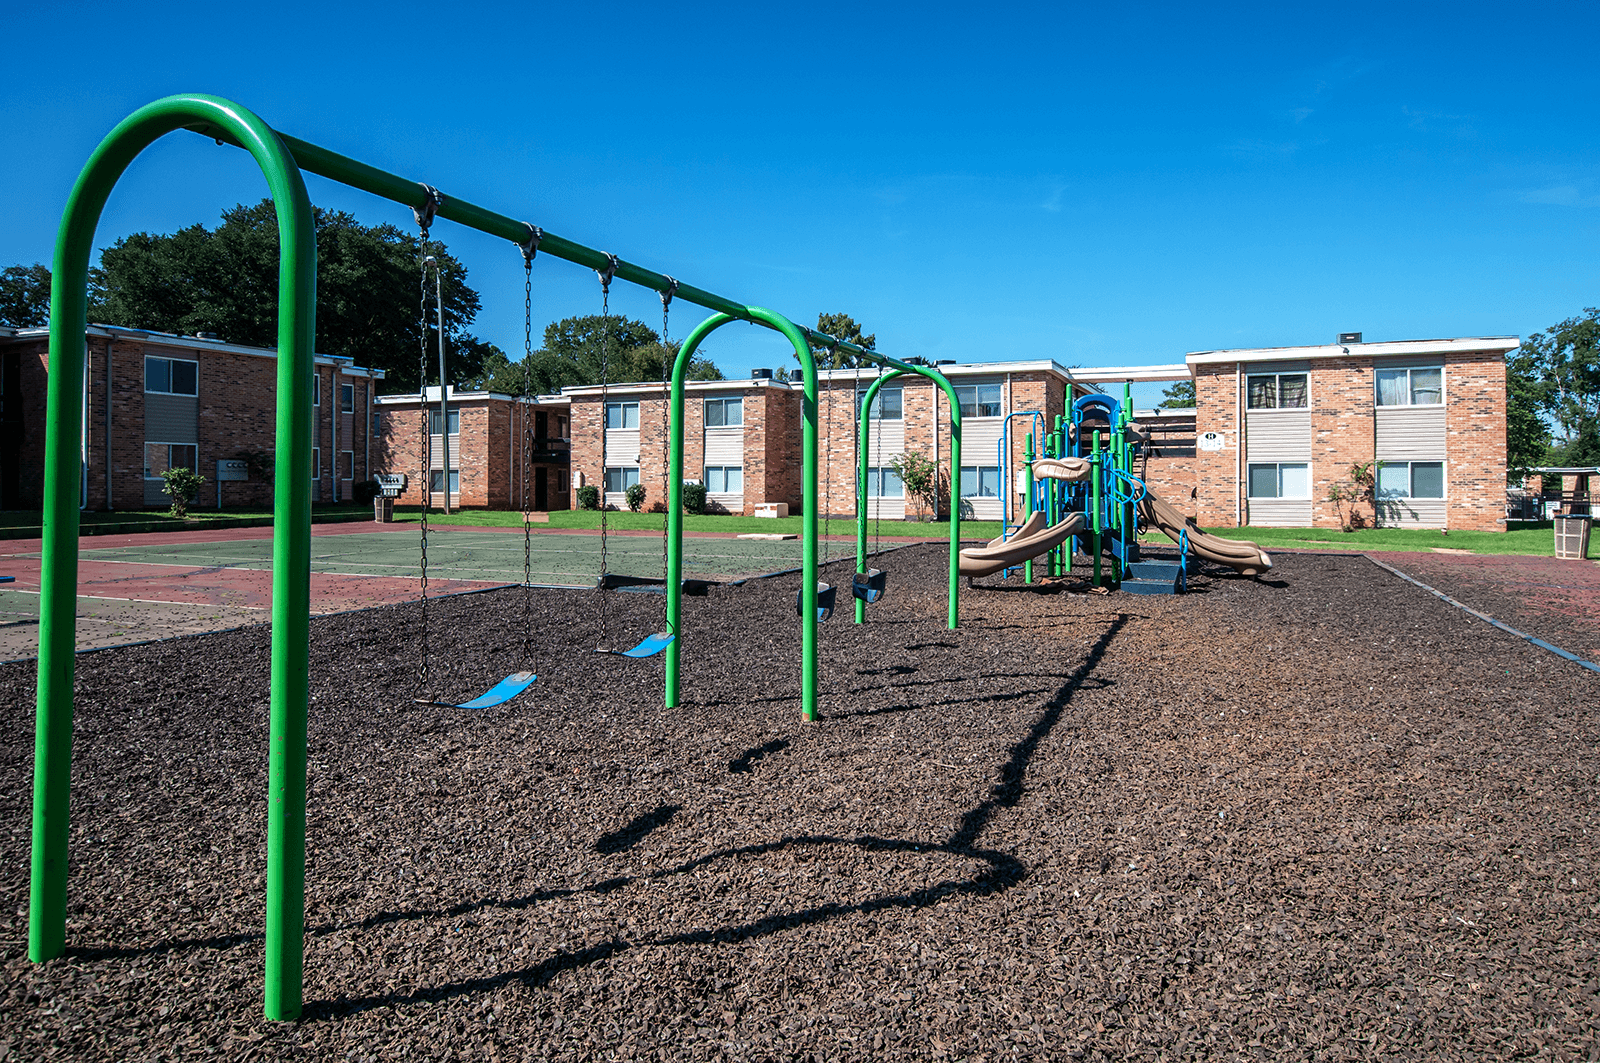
pixel 1412 513
pixel 980 440
pixel 622 446
pixel 886 508
pixel 983 508
pixel 1278 435
pixel 1411 433
pixel 1280 512
pixel 171 419
pixel 435 450
pixel 725 446
pixel 732 501
pixel 887 443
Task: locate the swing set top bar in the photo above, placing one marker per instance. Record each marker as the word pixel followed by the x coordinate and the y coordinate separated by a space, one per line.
pixel 416 195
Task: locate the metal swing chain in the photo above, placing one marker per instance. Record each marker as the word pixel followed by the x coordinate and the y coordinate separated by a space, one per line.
pixel 529 250
pixel 877 514
pixel 827 463
pixel 605 276
pixel 424 216
pixel 666 435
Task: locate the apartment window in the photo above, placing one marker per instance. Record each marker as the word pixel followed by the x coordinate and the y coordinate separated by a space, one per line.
pixel 884 482
pixel 1411 387
pixel 316 389
pixel 561 428
pixel 171 376
pixel 725 479
pixel 347 465
pixel 434 422
pixel 436 481
pixel 375 416
pixel 979 400
pixel 1277 391
pixel 720 413
pixel 1411 479
pixel 347 398
pixel 1280 480
pixel 159 457
pixel 888 405
pixel 561 480
pixel 620 478
pixel 622 415
pixel 980 481
pixel 316 463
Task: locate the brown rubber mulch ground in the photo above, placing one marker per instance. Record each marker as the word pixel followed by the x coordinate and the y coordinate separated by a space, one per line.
pixel 1323 816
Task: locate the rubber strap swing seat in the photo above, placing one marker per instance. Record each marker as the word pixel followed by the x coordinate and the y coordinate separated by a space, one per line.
pixel 826 596
pixel 499 694
pixel 869 585
pixel 613 581
pixel 652 645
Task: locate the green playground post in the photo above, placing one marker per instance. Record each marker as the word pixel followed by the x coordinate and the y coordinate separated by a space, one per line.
pixel 291 555
pixel 1094 504
pixel 1027 489
pixel 952 607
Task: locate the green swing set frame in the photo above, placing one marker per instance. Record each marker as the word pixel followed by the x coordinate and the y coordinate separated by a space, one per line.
pixel 282 159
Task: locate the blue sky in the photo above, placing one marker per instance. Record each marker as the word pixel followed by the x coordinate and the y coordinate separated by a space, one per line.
pixel 1089 183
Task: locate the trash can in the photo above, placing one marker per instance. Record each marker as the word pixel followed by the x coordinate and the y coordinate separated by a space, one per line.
pixel 383 511
pixel 1572 537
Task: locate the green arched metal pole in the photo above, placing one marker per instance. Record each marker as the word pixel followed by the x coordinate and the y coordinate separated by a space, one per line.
pixel 291 550
pixel 808 516
pixel 953 602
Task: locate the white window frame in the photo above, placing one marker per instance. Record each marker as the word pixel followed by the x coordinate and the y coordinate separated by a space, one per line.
pixel 348 458
pixel 148 390
pixel 455 481
pixel 980 473
pixel 967 395
pixel 1410 389
pixel 1277 391
pixel 316 464
pixel 316 387
pixel 623 410
pixel 722 471
pixel 877 476
pixel 1411 482
pixel 878 404
pixel 1278 467
pixel 170 463
pixel 347 398
pixel 723 405
pixel 454 419
pixel 623 471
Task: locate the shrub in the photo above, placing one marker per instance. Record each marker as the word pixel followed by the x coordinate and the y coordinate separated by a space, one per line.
pixel 1355 498
pixel 694 497
pixel 635 497
pixel 260 463
pixel 588 497
pixel 365 491
pixel 182 485
pixel 923 478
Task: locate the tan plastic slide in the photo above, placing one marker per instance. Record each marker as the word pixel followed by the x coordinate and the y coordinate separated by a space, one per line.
pixel 1035 536
pixel 1247 557
pixel 1031 540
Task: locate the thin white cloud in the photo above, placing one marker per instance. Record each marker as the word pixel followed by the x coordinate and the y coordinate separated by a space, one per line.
pixel 1559 196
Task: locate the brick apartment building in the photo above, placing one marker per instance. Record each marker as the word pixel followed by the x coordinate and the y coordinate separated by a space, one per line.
pixel 489 465
pixel 154 401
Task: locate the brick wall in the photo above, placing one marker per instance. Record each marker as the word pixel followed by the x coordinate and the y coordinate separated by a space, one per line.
pixel 1342 430
pixel 1216 471
pixel 237 412
pixel 771 447
pixel 1475 455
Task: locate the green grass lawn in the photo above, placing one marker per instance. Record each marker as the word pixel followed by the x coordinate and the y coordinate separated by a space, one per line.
pixel 627 521
pixel 1531 537
pixel 30 518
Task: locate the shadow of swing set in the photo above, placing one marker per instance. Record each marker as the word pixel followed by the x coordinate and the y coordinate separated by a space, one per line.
pixel 282 158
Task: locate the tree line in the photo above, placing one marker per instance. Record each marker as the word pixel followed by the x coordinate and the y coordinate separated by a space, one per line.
pixel 369 304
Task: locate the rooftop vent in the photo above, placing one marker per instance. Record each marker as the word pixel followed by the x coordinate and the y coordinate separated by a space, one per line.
pixel 213 336
pixel 1349 337
pixel 797 375
pixel 760 374
pixel 946 361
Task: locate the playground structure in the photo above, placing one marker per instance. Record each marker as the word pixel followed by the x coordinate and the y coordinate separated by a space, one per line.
pixel 282 159
pixel 1082 496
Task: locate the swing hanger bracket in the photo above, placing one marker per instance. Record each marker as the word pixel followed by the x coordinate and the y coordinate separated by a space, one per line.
pixel 429 209
pixel 530 248
pixel 608 273
pixel 668 292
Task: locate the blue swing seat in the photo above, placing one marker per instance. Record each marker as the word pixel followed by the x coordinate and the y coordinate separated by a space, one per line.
pixel 652 645
pixel 826 595
pixel 7 579
pixel 499 694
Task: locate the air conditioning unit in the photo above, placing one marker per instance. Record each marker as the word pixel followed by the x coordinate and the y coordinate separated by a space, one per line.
pixel 1349 337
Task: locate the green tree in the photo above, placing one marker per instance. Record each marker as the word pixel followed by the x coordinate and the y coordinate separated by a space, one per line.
pixel 588 350
pixel 226 281
pixel 842 327
pixel 1527 432
pixel 1180 396
pixel 1558 374
pixel 25 296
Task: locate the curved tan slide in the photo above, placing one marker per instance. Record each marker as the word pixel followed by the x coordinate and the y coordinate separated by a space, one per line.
pixel 1247 557
pixel 1031 540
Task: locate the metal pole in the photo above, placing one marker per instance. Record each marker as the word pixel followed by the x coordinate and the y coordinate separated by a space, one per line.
pixel 1094 504
pixel 291 550
pixel 1027 489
